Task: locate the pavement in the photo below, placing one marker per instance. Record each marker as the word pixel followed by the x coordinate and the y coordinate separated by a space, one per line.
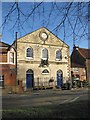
pixel 38 92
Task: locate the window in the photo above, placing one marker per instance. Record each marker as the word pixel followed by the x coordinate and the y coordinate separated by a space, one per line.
pixel 11 57
pixel 58 55
pixel 84 72
pixel 44 54
pixel 29 53
pixel 45 71
pixel 75 69
pixel 1 80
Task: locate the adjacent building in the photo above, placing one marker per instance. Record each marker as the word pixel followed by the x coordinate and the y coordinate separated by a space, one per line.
pixel 80 64
pixel 42 60
pixel 7 66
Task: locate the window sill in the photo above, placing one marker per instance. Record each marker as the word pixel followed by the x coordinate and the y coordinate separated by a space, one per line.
pixel 29 58
pixel 58 60
pixel 12 63
pixel 44 58
pixel 45 73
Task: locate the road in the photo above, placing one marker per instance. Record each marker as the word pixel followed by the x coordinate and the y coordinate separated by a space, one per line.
pixel 44 97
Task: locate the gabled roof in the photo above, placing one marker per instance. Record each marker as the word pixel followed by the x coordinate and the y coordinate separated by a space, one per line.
pixel 84 52
pixel 3 44
pixel 79 56
pixel 4 47
pixel 40 29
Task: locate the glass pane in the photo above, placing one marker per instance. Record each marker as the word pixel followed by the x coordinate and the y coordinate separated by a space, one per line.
pixel 58 55
pixel 29 52
pixel 12 57
pixel 45 53
pixel 45 71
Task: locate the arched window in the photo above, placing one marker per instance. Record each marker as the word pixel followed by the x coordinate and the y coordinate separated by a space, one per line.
pixel 29 53
pixel 58 55
pixel 45 71
pixel 44 54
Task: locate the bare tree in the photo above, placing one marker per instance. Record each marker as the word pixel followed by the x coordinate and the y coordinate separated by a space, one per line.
pixel 69 18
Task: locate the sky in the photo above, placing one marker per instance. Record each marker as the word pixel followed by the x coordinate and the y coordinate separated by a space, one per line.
pixel 49 15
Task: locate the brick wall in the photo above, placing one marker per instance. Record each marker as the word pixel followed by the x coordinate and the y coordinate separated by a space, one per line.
pixel 9 75
pixel 3 57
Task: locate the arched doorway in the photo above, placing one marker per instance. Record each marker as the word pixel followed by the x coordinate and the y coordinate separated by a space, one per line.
pixel 59 78
pixel 29 78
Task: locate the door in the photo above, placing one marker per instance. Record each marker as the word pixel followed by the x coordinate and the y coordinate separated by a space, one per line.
pixel 29 78
pixel 59 78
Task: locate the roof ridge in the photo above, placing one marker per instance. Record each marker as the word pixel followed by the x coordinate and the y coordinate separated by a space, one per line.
pixel 40 29
pixel 4 43
pixel 84 48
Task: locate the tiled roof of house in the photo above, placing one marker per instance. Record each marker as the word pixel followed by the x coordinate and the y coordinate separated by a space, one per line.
pixel 84 52
pixel 79 56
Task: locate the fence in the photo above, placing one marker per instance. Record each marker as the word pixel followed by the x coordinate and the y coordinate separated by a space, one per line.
pixel 45 82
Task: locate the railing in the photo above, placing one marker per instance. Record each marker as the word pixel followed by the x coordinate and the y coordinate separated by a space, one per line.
pixel 41 82
pixel 45 82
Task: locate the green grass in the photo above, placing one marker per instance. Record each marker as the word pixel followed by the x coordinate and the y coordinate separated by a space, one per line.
pixel 28 112
pixel 71 110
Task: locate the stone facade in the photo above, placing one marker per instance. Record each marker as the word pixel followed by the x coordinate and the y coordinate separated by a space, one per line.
pixel 41 69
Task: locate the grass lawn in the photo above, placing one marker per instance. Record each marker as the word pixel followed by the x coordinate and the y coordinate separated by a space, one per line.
pixel 70 110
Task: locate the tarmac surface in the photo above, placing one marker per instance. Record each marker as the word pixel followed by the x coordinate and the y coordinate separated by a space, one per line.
pixel 47 104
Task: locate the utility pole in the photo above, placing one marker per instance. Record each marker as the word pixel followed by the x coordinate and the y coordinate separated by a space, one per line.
pixel 16 52
pixel 88 64
pixel 0 37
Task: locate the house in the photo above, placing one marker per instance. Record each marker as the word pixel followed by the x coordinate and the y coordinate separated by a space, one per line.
pixel 43 60
pixel 80 64
pixel 7 66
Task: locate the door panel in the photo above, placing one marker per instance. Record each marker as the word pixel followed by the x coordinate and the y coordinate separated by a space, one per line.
pixel 59 79
pixel 29 80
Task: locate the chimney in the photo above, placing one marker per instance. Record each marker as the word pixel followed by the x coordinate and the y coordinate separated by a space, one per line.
pixel 75 47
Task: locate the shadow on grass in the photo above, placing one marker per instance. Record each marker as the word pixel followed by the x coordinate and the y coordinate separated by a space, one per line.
pixel 62 111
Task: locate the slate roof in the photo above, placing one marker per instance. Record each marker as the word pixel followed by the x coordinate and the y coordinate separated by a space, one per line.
pixel 2 47
pixel 3 44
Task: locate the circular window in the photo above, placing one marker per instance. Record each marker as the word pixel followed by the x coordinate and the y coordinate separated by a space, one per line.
pixel 43 36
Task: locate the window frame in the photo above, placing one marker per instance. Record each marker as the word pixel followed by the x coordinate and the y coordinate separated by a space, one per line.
pixel 43 58
pixel 2 81
pixel 32 53
pixel 12 58
pixel 58 59
pixel 45 72
pixel 75 69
